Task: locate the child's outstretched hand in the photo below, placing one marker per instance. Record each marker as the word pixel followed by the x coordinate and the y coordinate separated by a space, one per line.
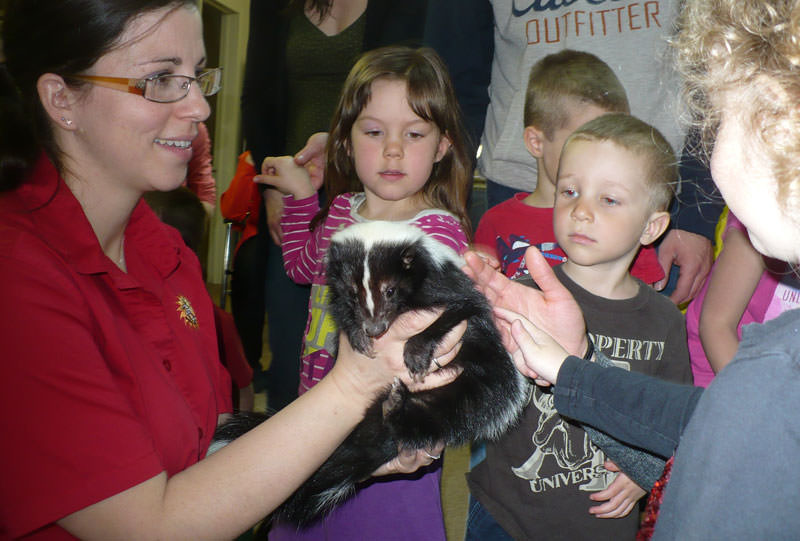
pixel 288 177
pixel 537 355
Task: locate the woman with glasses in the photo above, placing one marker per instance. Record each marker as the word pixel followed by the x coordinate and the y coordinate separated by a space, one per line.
pixel 110 381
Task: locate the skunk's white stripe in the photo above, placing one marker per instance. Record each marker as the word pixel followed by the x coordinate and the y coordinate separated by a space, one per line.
pixel 382 232
pixel 368 301
pixel 377 233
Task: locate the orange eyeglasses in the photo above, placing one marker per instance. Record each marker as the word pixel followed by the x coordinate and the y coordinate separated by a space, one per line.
pixel 164 88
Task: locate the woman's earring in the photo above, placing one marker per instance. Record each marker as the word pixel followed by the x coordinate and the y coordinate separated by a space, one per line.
pixel 66 121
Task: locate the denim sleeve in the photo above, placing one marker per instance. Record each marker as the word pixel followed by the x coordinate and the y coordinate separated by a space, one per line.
pixel 634 408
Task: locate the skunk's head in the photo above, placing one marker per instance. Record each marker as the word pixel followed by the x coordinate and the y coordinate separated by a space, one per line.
pixel 375 273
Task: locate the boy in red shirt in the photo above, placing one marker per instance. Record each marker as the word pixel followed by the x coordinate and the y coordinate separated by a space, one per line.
pixel 565 90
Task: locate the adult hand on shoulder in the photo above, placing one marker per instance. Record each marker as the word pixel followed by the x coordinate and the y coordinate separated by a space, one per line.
pixel 551 309
pixel 694 254
pixel 619 498
pixel 312 157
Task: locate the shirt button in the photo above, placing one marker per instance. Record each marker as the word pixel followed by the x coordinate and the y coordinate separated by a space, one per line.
pixel 167 365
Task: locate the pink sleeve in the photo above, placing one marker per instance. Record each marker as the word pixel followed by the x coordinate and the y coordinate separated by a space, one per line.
pixel 301 251
pixel 199 176
pixel 446 229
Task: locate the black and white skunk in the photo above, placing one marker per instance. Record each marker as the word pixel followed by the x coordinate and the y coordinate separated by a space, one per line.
pixel 377 271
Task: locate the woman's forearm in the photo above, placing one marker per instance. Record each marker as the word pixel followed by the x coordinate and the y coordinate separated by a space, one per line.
pixel 230 491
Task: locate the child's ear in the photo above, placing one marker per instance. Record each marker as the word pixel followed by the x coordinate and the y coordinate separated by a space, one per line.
pixel 655 227
pixel 57 99
pixel 534 141
pixel 444 146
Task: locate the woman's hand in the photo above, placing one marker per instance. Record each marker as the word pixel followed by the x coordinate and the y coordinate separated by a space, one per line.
pixel 312 157
pixel 371 374
pixel 536 354
pixel 552 309
pixel 409 460
pixel 288 177
pixel 368 375
pixel 619 498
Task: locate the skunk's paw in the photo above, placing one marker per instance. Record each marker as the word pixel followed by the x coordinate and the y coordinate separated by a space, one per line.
pixel 418 356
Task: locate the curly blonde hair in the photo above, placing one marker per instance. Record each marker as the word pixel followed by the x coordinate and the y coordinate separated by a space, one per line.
pixel 752 46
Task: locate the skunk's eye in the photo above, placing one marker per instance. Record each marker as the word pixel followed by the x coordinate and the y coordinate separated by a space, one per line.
pixel 389 292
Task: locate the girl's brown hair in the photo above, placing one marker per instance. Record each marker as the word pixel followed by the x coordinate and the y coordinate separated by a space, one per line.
pixel 431 97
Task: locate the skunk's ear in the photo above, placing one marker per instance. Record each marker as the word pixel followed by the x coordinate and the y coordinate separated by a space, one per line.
pixel 408 255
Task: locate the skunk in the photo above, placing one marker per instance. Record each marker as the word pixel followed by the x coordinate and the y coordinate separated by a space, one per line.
pixel 377 271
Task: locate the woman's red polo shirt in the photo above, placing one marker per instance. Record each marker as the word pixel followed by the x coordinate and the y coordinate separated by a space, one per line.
pixel 106 378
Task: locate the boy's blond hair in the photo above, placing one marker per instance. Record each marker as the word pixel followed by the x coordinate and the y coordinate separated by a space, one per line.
pixel 753 46
pixel 570 75
pixel 642 139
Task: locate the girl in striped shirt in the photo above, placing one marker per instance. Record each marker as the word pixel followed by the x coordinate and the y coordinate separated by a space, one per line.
pixel 396 152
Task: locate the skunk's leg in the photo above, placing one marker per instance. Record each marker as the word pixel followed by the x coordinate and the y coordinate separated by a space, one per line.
pixel 395 398
pixel 418 352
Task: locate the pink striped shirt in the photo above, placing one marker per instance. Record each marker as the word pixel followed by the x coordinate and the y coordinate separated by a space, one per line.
pixel 304 260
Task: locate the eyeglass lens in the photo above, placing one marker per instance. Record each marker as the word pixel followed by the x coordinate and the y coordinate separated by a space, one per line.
pixel 174 87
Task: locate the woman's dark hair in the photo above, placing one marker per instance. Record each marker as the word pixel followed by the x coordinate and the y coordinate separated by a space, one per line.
pixel 51 36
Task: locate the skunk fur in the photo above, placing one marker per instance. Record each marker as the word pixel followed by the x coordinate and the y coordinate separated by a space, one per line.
pixel 377 271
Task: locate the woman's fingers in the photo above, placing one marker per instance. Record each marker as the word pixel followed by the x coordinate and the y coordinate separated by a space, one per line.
pixel 410 460
pixel 440 373
pixel 412 323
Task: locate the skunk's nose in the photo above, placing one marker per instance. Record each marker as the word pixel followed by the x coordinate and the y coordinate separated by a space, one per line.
pixel 375 329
